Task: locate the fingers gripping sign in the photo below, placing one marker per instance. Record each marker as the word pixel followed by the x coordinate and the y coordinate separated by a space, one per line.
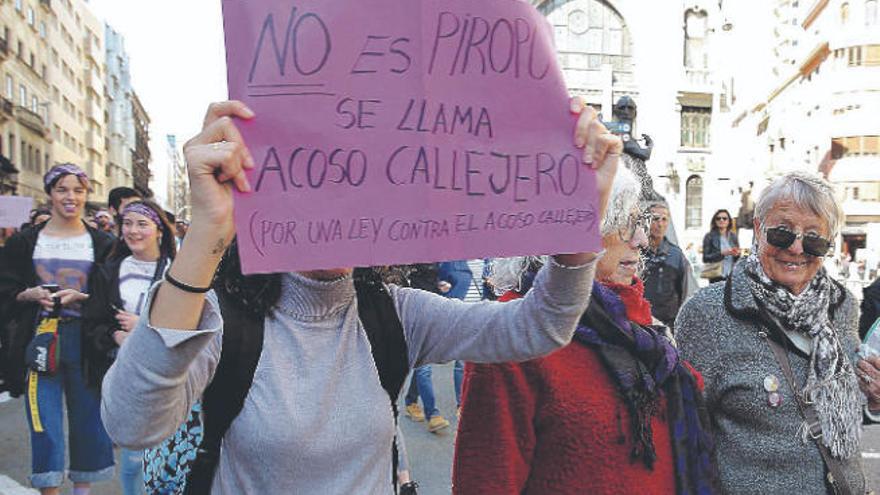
pixel 217 159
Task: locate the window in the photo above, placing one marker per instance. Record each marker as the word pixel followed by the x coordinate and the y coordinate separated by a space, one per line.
pixel 871 12
pixel 10 87
pixel 694 202
pixel 695 29
pixel 22 95
pixel 695 122
pixel 31 20
pixel 18 5
pixel 24 155
pixel 844 13
pixel 35 104
pixel 855 56
pixel 43 30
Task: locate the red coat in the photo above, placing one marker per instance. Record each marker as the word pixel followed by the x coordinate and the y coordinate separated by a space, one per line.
pixel 553 425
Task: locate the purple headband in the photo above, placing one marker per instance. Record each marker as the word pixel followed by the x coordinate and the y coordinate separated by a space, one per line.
pixel 142 209
pixel 61 170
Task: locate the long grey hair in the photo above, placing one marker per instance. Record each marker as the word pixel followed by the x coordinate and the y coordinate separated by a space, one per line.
pixel 506 274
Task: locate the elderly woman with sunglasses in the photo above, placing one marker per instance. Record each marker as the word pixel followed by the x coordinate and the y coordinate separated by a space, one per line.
pixel 776 344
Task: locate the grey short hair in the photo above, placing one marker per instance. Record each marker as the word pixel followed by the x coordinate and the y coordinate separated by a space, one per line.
pixel 506 273
pixel 624 199
pixel 805 190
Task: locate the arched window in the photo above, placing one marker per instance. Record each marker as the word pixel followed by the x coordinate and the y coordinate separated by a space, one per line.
pixel 588 35
pixel 844 13
pixel 871 12
pixel 693 203
pixel 695 29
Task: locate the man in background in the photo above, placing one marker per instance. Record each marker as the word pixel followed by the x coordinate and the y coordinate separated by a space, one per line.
pixel 667 272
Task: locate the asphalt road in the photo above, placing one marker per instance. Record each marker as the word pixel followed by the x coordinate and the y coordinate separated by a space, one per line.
pixel 430 454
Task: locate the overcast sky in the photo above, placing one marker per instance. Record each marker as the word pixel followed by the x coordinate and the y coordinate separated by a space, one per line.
pixel 177 63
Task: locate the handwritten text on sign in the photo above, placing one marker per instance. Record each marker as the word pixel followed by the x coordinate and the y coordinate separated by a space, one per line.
pixel 392 131
pixel 15 210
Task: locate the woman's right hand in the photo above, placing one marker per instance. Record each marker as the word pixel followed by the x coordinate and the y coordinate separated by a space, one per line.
pixel 216 160
pixel 38 295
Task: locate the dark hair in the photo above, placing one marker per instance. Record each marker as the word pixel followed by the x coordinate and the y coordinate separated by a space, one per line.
pixel 117 194
pixel 168 245
pixel 714 227
pixel 39 211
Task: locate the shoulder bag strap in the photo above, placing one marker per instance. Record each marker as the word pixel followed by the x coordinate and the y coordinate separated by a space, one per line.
pixel 836 476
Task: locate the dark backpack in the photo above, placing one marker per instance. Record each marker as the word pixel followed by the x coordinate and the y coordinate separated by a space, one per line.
pixel 224 397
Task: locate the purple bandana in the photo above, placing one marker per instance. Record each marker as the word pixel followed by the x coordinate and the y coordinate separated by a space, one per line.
pixel 142 209
pixel 61 170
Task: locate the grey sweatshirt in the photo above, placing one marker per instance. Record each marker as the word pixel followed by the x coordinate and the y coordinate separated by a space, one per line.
pixel 316 419
pixel 759 447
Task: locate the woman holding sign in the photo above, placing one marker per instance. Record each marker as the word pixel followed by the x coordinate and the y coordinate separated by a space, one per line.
pixel 319 346
pixel 615 411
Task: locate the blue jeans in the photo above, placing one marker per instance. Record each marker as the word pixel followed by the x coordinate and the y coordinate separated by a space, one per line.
pixel 91 452
pixel 131 471
pixel 420 385
pixel 457 378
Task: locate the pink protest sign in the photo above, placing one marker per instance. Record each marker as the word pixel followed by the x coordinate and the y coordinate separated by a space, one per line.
pixel 393 131
pixel 15 210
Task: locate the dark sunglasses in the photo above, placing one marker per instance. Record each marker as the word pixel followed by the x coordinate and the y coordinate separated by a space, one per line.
pixel 783 237
pixel 722 218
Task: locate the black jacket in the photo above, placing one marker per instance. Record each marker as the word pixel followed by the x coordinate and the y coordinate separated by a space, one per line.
pixel 17 273
pixel 665 279
pixel 99 319
pixel 712 246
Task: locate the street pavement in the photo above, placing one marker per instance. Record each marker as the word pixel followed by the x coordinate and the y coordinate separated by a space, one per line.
pixel 430 455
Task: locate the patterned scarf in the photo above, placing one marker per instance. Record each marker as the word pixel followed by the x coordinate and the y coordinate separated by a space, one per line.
pixel 831 382
pixel 645 366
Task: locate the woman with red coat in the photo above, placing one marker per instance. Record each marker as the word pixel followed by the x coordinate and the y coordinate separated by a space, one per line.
pixel 615 411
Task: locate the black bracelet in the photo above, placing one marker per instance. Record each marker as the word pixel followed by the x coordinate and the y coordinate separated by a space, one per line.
pixel 185 287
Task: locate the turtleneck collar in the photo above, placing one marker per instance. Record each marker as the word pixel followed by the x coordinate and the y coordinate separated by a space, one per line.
pixel 312 300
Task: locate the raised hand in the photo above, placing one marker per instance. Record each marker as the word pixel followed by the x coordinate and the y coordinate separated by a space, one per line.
pixel 216 161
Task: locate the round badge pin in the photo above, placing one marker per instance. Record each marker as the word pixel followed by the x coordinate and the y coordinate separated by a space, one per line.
pixel 774 399
pixel 771 383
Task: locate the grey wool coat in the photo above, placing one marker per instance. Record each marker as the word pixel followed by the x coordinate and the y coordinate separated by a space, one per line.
pixel 759 447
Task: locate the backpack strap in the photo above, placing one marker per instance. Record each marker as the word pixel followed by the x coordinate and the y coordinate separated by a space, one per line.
pixel 243 331
pixel 387 341
pixel 224 397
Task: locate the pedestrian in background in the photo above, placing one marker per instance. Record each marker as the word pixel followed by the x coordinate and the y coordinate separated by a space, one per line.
pixel 721 245
pixel 455 281
pixel 776 344
pixel 58 255
pixel 424 276
pixel 118 294
pixel 667 271
pixel 616 411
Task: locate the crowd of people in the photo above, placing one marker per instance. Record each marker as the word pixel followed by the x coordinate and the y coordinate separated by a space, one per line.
pixel 595 372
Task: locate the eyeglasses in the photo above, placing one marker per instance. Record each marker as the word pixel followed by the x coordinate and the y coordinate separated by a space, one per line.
pixel 722 218
pixel 783 237
pixel 642 221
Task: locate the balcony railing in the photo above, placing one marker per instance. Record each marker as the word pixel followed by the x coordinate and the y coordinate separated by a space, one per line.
pixel 6 107
pixel 31 120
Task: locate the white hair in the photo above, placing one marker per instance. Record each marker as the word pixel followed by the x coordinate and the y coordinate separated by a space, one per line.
pixel 506 273
pixel 806 191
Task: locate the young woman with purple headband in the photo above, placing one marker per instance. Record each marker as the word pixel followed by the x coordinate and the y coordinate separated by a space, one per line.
pixel 50 263
pixel 118 292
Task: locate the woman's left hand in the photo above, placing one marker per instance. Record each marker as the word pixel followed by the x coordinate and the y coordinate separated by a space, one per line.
pixel 70 296
pixel 868 371
pixel 126 320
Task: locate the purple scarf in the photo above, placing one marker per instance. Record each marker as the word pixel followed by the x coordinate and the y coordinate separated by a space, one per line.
pixel 645 365
pixel 59 171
